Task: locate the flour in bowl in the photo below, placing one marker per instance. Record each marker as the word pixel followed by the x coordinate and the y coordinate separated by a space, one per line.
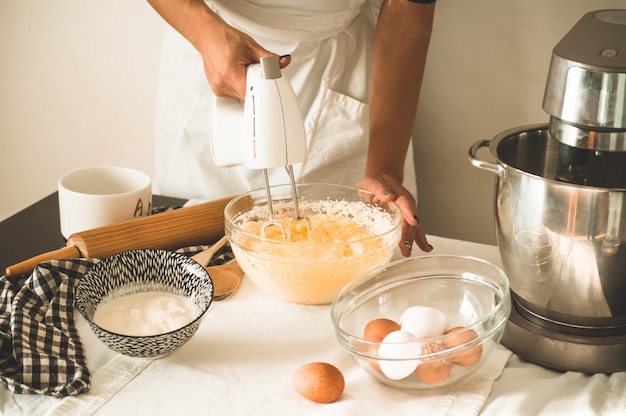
pixel 145 313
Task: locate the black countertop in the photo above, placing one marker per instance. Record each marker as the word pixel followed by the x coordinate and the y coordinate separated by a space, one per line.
pixel 35 229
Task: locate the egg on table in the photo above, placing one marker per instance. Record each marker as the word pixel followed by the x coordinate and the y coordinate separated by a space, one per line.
pixel 319 382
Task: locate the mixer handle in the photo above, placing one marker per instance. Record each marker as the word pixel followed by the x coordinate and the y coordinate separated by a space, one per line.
pixel 496 168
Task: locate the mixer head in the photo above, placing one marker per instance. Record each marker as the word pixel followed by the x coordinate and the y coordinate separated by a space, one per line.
pixel 586 88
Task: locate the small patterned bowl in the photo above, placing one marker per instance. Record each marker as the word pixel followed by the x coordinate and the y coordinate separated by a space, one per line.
pixel 141 271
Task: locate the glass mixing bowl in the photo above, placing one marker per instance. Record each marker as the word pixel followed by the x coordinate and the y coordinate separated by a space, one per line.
pixel 344 232
pixel 472 294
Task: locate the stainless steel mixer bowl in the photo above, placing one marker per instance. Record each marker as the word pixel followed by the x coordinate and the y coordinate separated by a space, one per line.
pixel 562 244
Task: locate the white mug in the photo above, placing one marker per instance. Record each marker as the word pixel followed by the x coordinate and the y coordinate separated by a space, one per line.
pixel 94 197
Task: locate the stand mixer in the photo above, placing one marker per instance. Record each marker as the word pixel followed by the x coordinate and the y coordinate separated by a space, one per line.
pixel 586 98
pixel 264 131
pixel 560 206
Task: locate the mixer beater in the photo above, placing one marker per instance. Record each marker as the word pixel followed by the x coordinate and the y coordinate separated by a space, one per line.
pixel 298 227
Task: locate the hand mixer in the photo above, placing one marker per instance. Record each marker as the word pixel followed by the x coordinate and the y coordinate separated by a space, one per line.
pixel 264 131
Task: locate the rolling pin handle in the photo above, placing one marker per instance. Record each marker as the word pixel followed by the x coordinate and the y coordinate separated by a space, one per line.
pixel 27 266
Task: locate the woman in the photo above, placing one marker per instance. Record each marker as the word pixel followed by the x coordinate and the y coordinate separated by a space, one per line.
pixel 355 65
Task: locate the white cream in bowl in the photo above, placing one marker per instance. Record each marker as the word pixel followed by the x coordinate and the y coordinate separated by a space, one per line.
pixel 145 313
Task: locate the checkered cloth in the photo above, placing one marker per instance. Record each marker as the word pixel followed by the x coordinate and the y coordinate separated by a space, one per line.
pixel 40 349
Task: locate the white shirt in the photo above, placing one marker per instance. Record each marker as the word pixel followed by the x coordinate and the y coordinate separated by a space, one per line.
pixel 330 43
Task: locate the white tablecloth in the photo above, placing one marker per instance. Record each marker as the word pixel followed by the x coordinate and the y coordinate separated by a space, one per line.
pixel 243 356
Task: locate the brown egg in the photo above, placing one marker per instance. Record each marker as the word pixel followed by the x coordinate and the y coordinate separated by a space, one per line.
pixel 467 356
pixel 434 371
pixel 375 331
pixel 319 382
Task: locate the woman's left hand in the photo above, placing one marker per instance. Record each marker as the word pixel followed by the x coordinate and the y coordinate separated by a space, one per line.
pixel 385 188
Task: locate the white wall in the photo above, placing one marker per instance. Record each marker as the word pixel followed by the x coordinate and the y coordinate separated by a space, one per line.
pixel 77 88
pixel 486 72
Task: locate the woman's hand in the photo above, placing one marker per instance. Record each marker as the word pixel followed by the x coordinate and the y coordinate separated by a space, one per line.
pixel 385 188
pixel 226 56
pixel 225 51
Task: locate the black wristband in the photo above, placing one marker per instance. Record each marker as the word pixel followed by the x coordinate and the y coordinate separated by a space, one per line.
pixel 422 1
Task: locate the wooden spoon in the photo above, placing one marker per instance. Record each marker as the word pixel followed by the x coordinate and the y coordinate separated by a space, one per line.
pixel 204 257
pixel 226 277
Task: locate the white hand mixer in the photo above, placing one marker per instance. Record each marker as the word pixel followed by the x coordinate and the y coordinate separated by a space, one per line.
pixel 264 131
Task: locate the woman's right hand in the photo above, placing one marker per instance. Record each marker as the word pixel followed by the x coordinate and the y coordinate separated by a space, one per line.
pixel 225 51
pixel 226 55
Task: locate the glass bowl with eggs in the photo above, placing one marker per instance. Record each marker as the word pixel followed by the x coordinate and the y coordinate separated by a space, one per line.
pixel 144 303
pixel 423 322
pixel 304 250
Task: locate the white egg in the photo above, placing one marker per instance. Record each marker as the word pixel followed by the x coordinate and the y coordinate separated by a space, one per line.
pixel 395 352
pixel 424 322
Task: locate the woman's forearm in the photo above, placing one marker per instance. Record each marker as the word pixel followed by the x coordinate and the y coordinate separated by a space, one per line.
pixel 400 48
pixel 193 19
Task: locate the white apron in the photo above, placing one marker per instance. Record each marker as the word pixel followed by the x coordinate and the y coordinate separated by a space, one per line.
pixel 330 43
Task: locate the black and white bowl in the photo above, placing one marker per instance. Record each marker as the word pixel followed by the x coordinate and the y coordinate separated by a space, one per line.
pixel 139 271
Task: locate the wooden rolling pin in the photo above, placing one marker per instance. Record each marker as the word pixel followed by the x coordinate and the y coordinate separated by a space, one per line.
pixel 194 225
